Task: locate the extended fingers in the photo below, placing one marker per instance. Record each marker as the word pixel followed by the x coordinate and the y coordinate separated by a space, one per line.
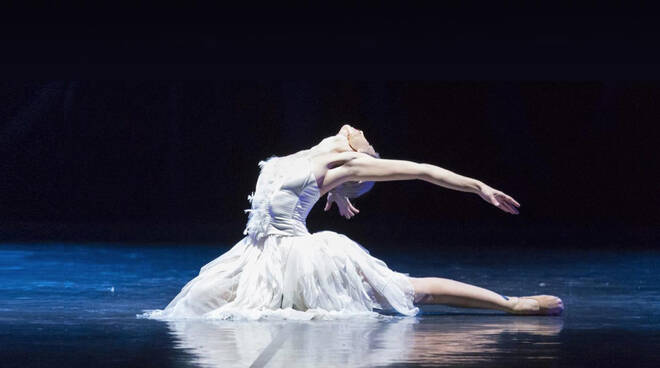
pixel 510 199
pixel 345 206
pixel 511 203
pixel 345 211
pixel 348 214
pixel 506 204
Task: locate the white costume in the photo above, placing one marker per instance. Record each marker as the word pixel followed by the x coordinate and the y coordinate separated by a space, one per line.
pixel 281 270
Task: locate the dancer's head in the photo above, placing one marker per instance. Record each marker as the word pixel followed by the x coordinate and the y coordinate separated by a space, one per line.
pixel 358 143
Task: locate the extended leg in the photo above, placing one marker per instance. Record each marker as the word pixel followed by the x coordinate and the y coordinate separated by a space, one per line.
pixel 436 290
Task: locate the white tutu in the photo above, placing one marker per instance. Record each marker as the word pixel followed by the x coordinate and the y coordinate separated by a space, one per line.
pixel 281 271
pixel 324 275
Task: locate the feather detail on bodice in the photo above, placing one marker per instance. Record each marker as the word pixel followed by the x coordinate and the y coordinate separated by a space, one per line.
pixel 273 172
pixel 270 178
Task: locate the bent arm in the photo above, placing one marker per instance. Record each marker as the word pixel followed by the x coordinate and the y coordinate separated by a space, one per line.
pixel 366 168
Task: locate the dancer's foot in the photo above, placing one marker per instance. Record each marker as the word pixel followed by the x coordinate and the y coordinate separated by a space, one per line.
pixel 536 305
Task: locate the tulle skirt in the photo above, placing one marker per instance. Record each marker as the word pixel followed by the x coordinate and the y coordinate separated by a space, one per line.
pixel 324 275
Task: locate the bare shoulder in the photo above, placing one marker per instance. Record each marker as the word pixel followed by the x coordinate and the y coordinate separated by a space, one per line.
pixel 330 170
pixel 335 168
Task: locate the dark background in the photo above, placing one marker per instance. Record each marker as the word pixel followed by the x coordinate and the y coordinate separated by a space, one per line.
pixel 141 127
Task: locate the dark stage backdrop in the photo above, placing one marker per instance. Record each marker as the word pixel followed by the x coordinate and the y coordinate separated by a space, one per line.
pixel 174 161
pixel 147 125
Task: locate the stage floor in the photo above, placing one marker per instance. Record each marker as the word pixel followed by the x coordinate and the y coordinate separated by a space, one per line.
pixel 75 305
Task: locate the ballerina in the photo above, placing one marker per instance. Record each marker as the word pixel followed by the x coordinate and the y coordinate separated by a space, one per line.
pixel 281 270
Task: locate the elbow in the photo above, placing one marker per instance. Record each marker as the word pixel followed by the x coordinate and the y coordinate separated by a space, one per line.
pixel 350 172
pixel 425 172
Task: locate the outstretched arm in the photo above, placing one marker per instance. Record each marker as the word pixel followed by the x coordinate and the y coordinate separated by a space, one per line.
pixel 367 168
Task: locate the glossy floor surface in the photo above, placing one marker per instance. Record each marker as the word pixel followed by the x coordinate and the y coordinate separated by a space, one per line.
pixel 75 305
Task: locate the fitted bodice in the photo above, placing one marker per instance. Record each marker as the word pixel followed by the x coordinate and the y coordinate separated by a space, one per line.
pixel 285 193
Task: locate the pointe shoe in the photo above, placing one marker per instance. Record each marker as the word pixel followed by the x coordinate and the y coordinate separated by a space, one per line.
pixel 539 305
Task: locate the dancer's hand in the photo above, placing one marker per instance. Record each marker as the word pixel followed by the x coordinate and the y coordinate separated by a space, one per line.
pixel 346 209
pixel 499 199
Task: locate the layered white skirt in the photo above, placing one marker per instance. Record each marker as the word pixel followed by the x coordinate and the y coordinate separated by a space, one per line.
pixel 324 275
